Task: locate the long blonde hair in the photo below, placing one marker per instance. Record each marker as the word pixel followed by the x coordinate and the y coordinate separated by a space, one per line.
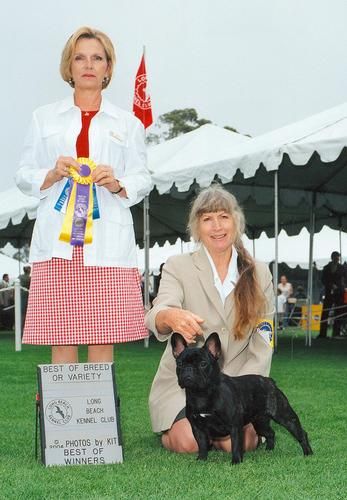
pixel 249 298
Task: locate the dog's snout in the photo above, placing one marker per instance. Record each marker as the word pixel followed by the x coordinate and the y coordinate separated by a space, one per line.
pixel 188 371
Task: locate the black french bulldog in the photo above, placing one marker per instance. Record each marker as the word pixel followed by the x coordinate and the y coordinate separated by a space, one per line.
pixel 218 405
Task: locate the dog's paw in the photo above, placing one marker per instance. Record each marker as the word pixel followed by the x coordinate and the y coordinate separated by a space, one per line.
pixel 236 459
pixel 307 450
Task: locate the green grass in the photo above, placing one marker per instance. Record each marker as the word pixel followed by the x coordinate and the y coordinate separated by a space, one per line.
pixel 314 379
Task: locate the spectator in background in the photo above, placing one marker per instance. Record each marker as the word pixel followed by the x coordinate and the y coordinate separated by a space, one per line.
pixel 24 280
pixel 333 279
pixel 5 282
pixel 158 278
pixel 286 290
pixel 6 303
pixel 151 294
pixel 281 307
pixel 300 293
pixel 315 284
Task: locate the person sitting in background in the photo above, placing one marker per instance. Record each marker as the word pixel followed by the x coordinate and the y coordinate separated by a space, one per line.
pixel 333 280
pixel 286 291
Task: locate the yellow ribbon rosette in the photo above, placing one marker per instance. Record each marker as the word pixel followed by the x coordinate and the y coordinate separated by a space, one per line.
pixel 82 205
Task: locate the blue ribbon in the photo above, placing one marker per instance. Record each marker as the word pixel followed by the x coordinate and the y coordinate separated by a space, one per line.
pixel 96 212
pixel 64 195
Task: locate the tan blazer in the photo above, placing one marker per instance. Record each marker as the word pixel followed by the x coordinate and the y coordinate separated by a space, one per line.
pixel 187 282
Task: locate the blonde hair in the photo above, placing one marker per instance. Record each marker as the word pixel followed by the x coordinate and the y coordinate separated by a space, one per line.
pixel 248 296
pixel 70 46
pixel 215 199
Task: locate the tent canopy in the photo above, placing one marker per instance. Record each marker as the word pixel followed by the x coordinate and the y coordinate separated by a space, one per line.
pixel 310 156
pixel 311 159
pixel 201 154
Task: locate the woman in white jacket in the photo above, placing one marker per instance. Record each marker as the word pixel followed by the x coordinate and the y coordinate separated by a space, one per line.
pixel 85 159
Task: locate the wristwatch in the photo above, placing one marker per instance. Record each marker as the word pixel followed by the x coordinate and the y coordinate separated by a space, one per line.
pixel 121 187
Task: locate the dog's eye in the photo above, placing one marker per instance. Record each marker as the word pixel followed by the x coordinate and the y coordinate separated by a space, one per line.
pixel 203 364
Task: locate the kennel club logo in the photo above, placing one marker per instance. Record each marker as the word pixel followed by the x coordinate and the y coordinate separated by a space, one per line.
pixel 59 412
pixel 265 328
pixel 141 98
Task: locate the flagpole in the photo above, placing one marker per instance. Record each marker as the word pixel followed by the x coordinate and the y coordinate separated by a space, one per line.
pixel 146 244
pixel 142 109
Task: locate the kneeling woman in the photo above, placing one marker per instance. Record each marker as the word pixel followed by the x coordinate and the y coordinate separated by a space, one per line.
pixel 218 288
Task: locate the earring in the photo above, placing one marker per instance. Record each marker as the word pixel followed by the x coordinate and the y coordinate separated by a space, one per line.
pixel 105 81
pixel 71 82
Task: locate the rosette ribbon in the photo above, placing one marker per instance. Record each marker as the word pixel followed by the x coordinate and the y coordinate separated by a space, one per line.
pixel 82 205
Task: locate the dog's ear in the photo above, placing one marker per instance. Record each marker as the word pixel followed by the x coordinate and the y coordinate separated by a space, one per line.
pixel 213 345
pixel 178 344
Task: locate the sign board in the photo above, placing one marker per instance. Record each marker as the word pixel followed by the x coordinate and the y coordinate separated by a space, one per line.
pixel 79 414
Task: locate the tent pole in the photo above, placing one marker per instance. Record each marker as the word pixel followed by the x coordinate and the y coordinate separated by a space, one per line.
pixel 253 241
pixel 146 236
pixel 19 255
pixel 308 335
pixel 17 315
pixel 275 270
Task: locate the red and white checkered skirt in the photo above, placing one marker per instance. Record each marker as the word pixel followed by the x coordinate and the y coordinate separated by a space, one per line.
pixel 73 304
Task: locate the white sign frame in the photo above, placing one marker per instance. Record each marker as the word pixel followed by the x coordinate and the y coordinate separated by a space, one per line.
pixel 79 414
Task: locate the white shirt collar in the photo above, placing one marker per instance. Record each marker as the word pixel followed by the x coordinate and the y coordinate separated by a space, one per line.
pixel 231 278
pixel 105 106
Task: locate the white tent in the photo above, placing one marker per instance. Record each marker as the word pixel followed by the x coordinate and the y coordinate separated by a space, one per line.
pixel 299 151
pixel 196 152
pixel 14 206
pixel 324 134
pixel 201 154
pixel 300 168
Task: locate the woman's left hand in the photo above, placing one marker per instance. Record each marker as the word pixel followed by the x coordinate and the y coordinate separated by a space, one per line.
pixel 103 176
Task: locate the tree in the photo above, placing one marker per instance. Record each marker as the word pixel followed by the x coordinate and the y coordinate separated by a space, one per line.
pixel 178 122
pixel 175 123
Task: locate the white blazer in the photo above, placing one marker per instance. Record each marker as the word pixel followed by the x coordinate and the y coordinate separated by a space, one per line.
pixel 116 138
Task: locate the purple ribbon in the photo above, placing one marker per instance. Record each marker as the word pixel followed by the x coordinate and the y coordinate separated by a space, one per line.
pixel 80 215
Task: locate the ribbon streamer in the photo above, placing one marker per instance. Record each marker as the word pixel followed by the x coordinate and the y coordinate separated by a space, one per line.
pixel 82 207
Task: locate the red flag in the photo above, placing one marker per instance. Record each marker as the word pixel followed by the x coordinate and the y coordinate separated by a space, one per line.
pixel 142 106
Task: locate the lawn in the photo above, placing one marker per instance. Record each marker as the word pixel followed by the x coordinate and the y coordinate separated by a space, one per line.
pixel 314 379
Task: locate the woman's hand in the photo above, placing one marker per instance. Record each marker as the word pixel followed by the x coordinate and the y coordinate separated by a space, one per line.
pixel 103 176
pixel 179 320
pixel 60 171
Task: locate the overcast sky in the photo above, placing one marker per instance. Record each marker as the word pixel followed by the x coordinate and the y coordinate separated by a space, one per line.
pixel 253 64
